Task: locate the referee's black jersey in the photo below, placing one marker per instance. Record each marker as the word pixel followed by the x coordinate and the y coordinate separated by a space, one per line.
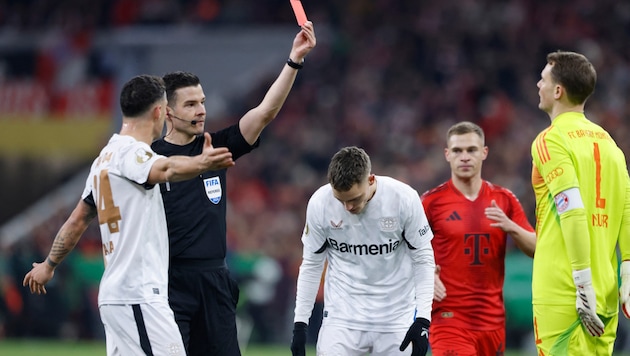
pixel 196 208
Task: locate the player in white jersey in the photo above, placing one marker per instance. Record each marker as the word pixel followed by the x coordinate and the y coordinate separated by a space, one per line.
pixel 121 190
pixel 128 211
pixel 373 233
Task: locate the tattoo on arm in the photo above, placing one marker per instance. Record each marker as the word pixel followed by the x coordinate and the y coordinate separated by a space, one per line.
pixel 69 235
pixel 90 215
pixel 51 263
pixel 59 251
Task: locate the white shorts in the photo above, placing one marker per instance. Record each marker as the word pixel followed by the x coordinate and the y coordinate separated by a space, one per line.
pixel 141 329
pixel 337 341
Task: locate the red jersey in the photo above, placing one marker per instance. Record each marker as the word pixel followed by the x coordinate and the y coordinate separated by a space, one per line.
pixel 471 254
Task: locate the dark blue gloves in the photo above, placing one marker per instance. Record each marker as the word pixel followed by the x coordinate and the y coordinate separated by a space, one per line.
pixel 298 343
pixel 418 335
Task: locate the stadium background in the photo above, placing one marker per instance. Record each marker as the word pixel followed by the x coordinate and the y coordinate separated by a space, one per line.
pixel 389 76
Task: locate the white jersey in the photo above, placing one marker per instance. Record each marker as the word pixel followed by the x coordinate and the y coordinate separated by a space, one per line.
pixel 132 223
pixel 380 262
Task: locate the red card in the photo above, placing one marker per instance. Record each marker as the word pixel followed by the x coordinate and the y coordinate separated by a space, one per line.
pixel 300 15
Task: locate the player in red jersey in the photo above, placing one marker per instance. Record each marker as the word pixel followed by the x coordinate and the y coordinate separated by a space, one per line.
pixel 471 219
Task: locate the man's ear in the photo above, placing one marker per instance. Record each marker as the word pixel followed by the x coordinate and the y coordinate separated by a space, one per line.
pixel 156 112
pixel 558 91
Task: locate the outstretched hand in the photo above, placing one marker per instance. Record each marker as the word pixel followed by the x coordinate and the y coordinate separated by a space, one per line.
pixel 215 158
pixel 37 277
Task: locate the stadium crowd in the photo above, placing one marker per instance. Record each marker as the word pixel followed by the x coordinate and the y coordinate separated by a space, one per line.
pixel 386 76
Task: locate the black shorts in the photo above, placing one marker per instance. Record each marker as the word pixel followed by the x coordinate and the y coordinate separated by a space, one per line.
pixel 203 297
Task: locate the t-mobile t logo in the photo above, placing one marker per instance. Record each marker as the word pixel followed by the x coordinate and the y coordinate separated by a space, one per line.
pixel 480 243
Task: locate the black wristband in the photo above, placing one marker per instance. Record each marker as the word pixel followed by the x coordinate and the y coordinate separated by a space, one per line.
pixel 295 65
pixel 51 263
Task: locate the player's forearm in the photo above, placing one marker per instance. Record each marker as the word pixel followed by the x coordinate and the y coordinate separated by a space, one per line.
pixel 308 282
pixel 424 279
pixel 276 95
pixel 525 240
pixel 70 233
pixel 574 227
pixel 180 168
pixel 256 119
pixel 62 246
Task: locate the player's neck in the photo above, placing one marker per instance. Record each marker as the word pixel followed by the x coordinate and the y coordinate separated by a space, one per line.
pixel 469 187
pixel 373 189
pixel 141 130
pixel 178 138
pixel 560 109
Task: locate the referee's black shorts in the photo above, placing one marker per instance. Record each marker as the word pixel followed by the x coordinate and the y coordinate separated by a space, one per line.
pixel 203 297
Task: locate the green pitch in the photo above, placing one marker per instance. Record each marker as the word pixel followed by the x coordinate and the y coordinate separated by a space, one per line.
pixel 26 347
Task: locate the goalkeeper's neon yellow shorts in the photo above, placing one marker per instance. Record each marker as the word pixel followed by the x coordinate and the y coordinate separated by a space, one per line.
pixel 559 332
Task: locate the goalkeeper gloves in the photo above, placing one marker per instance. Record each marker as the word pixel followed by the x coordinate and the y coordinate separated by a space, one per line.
pixel 418 334
pixel 586 302
pixel 624 290
pixel 298 343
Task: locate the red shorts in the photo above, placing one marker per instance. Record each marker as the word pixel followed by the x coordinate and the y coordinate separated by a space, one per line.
pixel 448 340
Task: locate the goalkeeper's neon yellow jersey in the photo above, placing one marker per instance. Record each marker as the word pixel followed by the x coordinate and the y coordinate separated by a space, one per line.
pixel 575 152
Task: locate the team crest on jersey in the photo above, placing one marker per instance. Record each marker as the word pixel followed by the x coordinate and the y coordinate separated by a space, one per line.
pixel 562 202
pixel 388 223
pixel 142 155
pixel 213 189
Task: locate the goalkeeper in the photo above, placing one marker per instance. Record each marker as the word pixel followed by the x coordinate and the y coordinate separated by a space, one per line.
pixel 374 234
pixel 582 189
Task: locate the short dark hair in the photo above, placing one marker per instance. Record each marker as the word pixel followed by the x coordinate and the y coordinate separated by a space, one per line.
pixel 177 80
pixel 464 127
pixel 139 93
pixel 349 166
pixel 575 73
